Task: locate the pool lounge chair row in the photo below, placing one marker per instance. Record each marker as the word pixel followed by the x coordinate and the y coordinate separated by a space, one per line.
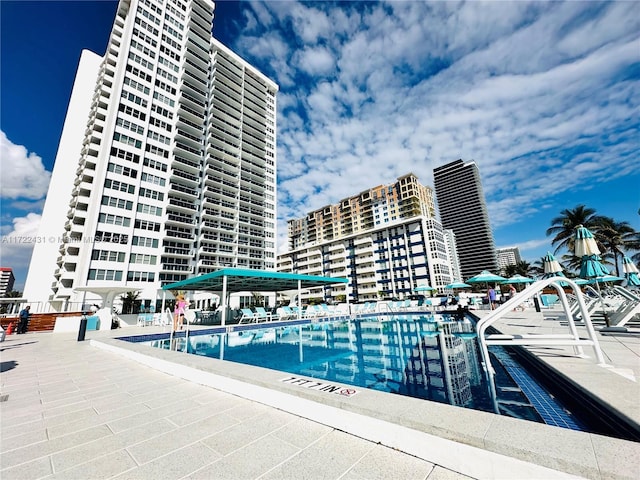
pixel 312 311
pixel 287 313
pixel 260 315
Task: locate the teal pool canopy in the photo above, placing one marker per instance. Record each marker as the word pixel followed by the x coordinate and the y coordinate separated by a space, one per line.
pixel 240 280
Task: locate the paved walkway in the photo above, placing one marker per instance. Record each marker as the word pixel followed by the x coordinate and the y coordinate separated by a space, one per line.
pixel 70 410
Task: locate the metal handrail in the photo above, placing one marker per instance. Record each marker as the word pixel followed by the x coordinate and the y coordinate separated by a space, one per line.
pixel 573 339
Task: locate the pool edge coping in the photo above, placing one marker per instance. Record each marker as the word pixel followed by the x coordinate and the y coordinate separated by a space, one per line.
pixel 459 446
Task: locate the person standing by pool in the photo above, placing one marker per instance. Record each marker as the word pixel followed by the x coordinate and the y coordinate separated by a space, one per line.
pixel 491 295
pixel 178 313
pixel 24 319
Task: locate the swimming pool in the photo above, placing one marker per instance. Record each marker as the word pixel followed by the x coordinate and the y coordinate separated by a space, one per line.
pixel 432 357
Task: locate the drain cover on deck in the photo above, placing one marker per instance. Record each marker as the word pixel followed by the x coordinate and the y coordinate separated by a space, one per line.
pixel 4 398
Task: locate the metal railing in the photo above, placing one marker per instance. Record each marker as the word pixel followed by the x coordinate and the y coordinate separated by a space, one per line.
pixel 571 339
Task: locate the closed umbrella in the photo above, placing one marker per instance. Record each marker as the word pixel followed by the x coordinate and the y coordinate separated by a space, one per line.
pixel 586 248
pixel 552 267
pixel 630 271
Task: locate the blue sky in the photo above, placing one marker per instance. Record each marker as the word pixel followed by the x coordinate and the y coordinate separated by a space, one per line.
pixel 543 96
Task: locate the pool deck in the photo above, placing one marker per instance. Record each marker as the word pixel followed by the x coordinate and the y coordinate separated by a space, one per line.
pixel 104 408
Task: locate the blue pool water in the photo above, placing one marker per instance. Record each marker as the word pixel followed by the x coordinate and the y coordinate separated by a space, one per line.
pixel 433 357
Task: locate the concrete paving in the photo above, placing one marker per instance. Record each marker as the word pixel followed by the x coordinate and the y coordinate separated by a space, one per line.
pixel 101 409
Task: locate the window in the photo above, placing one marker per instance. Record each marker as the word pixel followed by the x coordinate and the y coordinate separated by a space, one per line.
pixel 147 193
pixel 138 59
pixel 117 202
pixel 107 255
pixel 163 112
pixel 149 209
pixel 142 48
pixel 160 138
pixel 121 122
pixel 141 276
pixel 156 166
pixel 148 15
pixel 143 259
pixel 136 85
pixel 157 150
pixel 134 98
pixel 145 242
pixel 109 275
pixel 110 237
pixel 159 123
pixel 145 37
pixel 129 110
pixel 163 99
pixel 123 154
pixel 167 75
pixel 145 225
pixel 119 186
pixel 115 168
pixel 119 137
pixel 114 220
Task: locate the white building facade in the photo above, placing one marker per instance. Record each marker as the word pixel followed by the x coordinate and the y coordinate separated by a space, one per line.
pixel 508 256
pixel 167 163
pixel 387 256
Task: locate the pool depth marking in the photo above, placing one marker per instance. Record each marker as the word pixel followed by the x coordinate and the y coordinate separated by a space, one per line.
pixel 323 387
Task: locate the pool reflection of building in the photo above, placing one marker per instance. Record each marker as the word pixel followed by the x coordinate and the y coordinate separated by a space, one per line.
pixel 423 359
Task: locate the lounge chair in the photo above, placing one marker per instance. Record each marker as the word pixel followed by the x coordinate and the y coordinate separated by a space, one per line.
pixel 444 301
pixel 312 312
pixel 285 313
pixel 263 316
pixel 247 316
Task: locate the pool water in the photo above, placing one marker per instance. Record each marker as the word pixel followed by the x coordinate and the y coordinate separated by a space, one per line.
pixel 432 357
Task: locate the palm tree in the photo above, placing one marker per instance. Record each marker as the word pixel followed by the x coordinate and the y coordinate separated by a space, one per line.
pixel 614 238
pixel 129 302
pixel 13 294
pixel 563 226
pixel 537 268
pixel 521 268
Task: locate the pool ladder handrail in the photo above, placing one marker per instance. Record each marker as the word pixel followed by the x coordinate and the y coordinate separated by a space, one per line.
pixel 171 334
pixel 572 339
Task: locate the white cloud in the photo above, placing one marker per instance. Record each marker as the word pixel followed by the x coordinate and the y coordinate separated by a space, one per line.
pixel 16 246
pixel 316 61
pixel 420 84
pixel 533 244
pixel 23 173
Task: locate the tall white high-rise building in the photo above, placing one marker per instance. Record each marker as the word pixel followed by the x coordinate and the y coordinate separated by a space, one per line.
pixel 166 166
